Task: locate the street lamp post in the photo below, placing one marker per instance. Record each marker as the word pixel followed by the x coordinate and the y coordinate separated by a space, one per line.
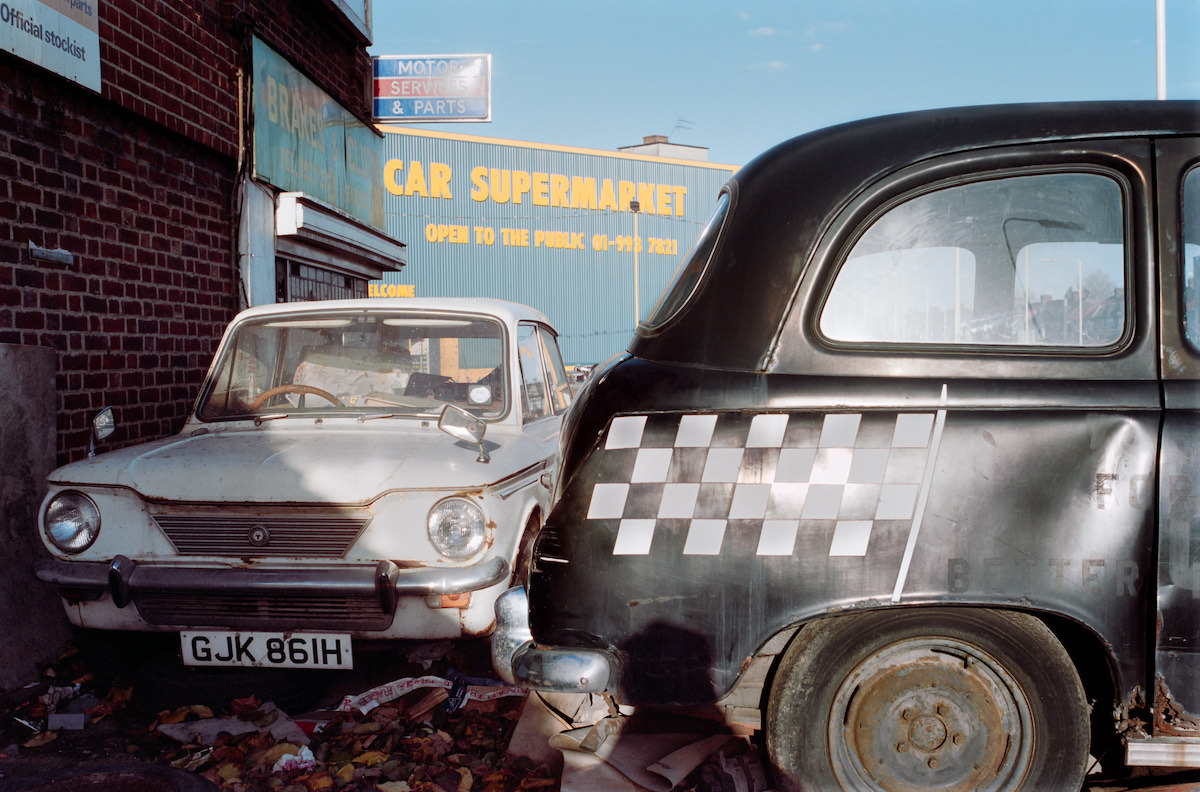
pixel 635 207
pixel 1160 46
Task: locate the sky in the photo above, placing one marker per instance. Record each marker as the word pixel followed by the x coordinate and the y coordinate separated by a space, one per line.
pixel 739 77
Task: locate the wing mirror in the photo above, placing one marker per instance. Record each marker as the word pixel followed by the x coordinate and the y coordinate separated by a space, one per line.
pixel 103 425
pixel 462 425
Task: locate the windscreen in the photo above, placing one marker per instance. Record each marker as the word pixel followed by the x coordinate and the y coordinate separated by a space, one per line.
pixel 369 363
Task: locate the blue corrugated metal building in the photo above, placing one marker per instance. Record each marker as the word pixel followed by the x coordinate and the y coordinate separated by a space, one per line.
pixel 548 226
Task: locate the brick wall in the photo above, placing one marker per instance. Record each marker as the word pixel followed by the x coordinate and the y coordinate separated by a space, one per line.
pixel 174 64
pixel 138 184
pixel 145 214
pixel 316 41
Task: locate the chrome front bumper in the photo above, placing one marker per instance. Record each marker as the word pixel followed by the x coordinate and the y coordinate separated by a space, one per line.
pixel 519 661
pixel 124 579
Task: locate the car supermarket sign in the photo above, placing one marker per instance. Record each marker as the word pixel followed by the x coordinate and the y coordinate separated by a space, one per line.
pixel 425 88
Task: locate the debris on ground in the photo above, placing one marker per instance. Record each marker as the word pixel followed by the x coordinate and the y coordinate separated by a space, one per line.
pixel 412 742
pixel 443 726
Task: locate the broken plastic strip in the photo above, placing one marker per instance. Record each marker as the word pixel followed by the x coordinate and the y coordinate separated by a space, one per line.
pixel 365 702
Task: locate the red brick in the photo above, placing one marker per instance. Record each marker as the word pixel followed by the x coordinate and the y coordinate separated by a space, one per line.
pixel 136 183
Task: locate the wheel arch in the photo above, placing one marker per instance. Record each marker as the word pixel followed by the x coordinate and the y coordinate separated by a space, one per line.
pixel 1096 665
pixel 801 666
pixel 1093 658
pixel 521 560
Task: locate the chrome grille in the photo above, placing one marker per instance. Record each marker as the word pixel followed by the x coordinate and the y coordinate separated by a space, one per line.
pixel 243 611
pixel 250 536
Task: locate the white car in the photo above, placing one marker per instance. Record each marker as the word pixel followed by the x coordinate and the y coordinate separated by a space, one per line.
pixel 351 469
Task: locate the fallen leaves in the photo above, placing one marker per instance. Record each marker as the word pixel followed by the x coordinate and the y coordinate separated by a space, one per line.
pixel 411 744
pixel 387 749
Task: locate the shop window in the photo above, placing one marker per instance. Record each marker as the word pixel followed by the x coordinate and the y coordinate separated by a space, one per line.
pixel 298 282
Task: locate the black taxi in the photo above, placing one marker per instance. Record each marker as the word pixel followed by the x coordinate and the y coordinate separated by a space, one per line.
pixel 905 465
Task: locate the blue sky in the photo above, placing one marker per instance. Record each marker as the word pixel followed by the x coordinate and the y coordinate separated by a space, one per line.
pixel 741 77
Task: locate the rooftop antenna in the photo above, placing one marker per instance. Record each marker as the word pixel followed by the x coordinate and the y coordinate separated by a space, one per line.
pixel 683 123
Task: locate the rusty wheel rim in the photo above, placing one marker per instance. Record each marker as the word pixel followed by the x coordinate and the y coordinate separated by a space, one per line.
pixel 930 713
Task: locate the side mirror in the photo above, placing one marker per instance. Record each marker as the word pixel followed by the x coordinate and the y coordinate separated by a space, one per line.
pixel 103 425
pixel 462 425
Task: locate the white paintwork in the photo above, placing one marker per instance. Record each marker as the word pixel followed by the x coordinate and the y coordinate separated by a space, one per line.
pixel 295 460
pixel 394 468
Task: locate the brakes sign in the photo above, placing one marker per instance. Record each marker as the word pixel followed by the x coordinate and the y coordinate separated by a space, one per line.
pixel 266 649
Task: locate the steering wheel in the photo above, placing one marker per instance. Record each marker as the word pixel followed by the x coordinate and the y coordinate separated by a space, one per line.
pixel 295 388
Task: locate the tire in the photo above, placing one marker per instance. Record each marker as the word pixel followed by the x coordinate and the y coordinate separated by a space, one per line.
pixel 916 699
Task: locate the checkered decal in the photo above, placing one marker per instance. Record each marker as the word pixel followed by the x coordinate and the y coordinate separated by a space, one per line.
pixel 786 472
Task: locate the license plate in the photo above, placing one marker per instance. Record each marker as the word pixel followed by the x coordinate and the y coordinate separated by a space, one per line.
pixel 266 649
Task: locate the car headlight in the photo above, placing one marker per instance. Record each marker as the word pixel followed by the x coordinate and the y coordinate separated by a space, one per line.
pixel 72 522
pixel 457 528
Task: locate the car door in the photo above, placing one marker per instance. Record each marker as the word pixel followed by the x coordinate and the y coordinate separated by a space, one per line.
pixel 1004 299
pixel 1176 691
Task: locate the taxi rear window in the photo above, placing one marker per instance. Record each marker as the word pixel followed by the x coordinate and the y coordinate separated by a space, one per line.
pixel 1034 260
pixel 691 271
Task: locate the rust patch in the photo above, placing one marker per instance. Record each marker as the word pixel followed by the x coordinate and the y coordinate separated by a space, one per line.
pixel 489 538
pixel 1131 717
pixel 1170 719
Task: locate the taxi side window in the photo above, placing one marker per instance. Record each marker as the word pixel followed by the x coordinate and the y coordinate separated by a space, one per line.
pixel 1191 257
pixel 1026 261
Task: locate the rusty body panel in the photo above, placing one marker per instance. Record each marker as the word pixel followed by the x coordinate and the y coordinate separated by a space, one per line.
pixel 941 363
pixel 1071 550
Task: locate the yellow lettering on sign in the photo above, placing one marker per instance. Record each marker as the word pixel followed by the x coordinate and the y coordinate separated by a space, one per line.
pixel 439 176
pixel 391 173
pixel 517 237
pixel 608 198
pixel 625 191
pixel 583 192
pixel 416 180
pixel 391 290
pixel 664 199
pixel 502 186
pixel 479 184
pixel 559 190
pixel 560 240
pixel 440 233
pixel 520 185
pixel 541 189
pixel 645 193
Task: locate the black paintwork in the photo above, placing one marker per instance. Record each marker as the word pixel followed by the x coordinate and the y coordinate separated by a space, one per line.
pixel 1051 491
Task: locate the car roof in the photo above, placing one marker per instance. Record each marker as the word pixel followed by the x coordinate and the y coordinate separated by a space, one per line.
pixel 508 312
pixel 783 199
